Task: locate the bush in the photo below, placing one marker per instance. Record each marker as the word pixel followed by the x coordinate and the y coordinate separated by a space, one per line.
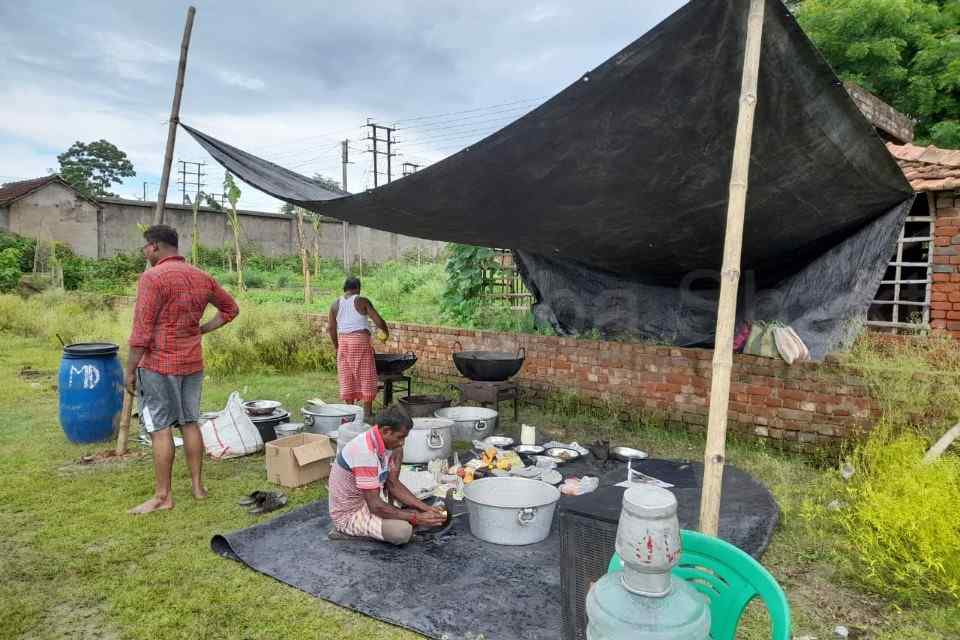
pixel 264 340
pixel 915 379
pixel 10 268
pixel 903 520
pixel 254 278
pixel 465 267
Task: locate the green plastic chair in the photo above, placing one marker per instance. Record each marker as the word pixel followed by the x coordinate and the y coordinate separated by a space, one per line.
pixel 730 578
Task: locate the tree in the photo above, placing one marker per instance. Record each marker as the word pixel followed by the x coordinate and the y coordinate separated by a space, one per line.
pixel 907 52
pixel 232 191
pixel 93 168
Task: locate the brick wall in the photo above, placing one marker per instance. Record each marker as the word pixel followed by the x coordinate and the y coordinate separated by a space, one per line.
pixel 807 406
pixel 945 292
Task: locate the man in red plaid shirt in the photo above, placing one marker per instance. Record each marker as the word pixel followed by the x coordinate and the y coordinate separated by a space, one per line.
pixel 165 366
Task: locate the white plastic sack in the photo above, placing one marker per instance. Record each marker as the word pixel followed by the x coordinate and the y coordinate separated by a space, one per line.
pixel 231 433
pixel 789 345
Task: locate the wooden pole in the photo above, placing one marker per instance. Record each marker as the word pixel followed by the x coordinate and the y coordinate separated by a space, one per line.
pixel 345 160
pixel 713 458
pixel 942 444
pixel 174 119
pixel 123 432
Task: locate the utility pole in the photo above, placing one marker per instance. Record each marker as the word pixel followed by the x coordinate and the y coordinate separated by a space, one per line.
pixel 195 175
pixel 375 150
pixel 144 191
pixel 174 121
pixel 345 160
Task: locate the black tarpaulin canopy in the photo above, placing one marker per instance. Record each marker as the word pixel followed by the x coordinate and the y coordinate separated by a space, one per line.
pixel 613 192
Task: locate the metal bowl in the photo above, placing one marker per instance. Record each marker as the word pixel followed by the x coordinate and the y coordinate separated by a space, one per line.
pixel 528 449
pixel 261 407
pixel 627 453
pixel 538 459
pixel 500 442
pixel 563 454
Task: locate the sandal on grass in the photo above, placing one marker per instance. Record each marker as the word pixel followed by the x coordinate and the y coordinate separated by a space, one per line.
pixel 271 501
pixel 253 498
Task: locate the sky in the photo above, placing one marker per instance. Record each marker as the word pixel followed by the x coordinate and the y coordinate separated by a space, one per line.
pixel 289 80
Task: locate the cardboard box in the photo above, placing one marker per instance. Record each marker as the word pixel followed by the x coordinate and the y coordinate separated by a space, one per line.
pixel 298 460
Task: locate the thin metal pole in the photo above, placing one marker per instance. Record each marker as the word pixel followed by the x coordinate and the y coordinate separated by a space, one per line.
pixel 174 118
pixel 715 452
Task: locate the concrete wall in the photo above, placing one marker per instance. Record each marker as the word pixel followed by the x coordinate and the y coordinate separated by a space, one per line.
pixel 4 219
pixel 57 213
pixel 272 233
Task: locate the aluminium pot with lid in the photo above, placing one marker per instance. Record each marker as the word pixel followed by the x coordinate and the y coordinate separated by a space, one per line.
pixel 470 423
pixel 511 511
pixel 327 418
pixel 429 439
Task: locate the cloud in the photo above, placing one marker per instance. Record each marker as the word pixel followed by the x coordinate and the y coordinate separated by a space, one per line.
pixel 251 83
pixel 130 57
pixel 542 12
pixel 291 84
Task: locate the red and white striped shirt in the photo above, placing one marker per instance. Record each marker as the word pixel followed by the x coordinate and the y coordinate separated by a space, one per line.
pixel 362 465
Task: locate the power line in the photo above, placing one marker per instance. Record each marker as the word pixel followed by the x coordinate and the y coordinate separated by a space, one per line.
pixel 451 113
pixel 469 120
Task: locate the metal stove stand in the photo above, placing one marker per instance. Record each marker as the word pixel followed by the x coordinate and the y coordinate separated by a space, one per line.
pixel 387 382
pixel 490 393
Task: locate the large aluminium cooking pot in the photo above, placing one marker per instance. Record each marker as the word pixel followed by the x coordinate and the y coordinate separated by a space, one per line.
pixel 470 423
pixel 511 511
pixel 327 418
pixel 394 363
pixel 429 439
pixel 488 366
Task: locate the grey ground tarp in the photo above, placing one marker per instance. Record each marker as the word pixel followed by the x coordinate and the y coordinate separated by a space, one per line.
pixel 455 584
pixel 613 193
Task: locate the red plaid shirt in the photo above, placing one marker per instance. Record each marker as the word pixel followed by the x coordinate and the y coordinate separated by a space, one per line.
pixel 171 299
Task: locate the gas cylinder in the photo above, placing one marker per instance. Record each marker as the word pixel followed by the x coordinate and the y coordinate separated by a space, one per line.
pixel 645 601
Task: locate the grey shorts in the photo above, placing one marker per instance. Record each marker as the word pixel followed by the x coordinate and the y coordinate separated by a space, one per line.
pixel 168 401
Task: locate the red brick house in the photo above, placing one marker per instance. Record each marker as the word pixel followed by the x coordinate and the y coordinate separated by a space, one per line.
pixel 922 282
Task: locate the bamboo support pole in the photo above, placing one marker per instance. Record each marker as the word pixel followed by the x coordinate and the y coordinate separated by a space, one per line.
pixel 123 432
pixel 730 278
pixel 942 444
pixel 174 119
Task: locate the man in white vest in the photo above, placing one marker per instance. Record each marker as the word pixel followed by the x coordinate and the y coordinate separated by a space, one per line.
pixel 349 329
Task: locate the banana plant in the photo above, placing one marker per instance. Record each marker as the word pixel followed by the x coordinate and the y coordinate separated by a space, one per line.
pixel 232 191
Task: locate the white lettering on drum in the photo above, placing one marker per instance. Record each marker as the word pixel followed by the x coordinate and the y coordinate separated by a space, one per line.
pixel 90 375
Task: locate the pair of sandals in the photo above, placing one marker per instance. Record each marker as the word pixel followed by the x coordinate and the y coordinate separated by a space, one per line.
pixel 261 502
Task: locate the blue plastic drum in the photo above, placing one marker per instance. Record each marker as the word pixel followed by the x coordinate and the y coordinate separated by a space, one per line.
pixel 91 391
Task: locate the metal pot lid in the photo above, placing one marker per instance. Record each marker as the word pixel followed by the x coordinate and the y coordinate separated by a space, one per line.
pixel 432 423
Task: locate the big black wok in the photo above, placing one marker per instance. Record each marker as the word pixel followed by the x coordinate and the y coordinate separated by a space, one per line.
pixel 488 366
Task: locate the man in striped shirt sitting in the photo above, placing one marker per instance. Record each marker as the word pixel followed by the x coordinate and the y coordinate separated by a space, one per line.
pixel 366 477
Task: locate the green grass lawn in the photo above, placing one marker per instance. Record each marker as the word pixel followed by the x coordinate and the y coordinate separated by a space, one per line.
pixel 73 564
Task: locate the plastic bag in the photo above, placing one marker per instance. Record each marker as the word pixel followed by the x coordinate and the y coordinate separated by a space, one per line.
pixel 231 433
pixel 762 341
pixel 789 345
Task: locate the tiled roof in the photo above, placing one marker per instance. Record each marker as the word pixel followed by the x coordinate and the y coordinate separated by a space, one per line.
pixel 928 168
pixel 15 190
